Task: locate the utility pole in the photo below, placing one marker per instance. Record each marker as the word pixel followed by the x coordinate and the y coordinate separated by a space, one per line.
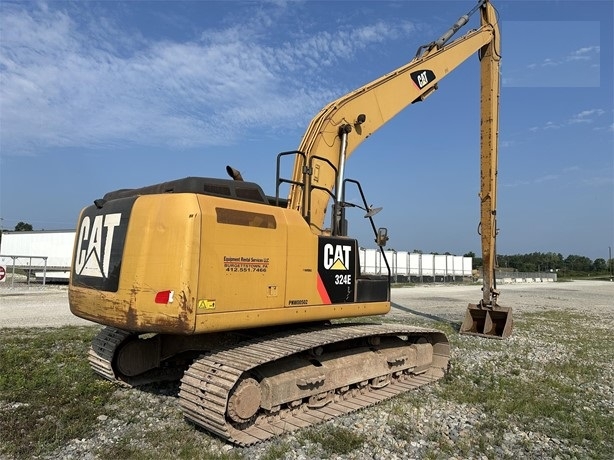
pixel 610 263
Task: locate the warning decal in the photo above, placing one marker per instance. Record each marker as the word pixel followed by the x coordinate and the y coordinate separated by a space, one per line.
pixel 204 304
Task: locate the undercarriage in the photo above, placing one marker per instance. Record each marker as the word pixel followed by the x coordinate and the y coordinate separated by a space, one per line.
pixel 247 388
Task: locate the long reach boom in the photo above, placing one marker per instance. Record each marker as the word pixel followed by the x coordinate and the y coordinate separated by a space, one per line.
pixel 340 127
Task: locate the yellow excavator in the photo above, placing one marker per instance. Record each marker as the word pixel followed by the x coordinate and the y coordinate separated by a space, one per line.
pixel 234 292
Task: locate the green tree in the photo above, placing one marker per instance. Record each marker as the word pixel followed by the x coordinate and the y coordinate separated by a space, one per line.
pixel 477 261
pixel 23 227
pixel 578 263
pixel 600 265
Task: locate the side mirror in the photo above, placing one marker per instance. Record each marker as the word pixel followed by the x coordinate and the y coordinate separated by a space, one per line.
pixel 382 236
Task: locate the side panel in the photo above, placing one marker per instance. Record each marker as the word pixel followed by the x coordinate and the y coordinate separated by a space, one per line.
pixel 254 274
pixel 243 264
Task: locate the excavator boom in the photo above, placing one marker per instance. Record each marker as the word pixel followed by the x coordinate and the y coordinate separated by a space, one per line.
pixel 487 318
pixel 342 125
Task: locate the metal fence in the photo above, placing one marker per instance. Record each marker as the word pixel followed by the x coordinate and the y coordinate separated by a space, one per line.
pixel 524 277
pixel 34 269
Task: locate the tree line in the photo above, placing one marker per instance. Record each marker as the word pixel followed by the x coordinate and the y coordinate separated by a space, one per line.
pixel 550 262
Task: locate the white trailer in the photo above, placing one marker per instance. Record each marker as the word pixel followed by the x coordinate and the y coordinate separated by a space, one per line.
pixel 46 254
pixel 415 265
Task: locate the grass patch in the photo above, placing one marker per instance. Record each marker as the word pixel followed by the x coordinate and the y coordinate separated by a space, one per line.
pixel 163 447
pixel 332 439
pixel 48 394
pixel 550 377
pixel 276 452
pixel 49 397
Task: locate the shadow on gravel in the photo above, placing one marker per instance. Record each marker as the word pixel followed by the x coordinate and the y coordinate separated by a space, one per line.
pixel 165 388
pixel 453 324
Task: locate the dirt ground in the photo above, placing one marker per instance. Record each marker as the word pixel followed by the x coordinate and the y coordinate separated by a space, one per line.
pixel 48 306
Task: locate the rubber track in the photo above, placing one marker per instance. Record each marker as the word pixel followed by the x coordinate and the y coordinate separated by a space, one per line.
pixel 103 349
pixel 206 385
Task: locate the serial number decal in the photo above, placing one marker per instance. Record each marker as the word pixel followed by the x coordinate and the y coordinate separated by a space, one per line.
pixel 298 302
pixel 246 264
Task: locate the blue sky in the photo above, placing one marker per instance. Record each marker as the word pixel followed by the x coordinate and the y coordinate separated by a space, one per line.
pixel 97 96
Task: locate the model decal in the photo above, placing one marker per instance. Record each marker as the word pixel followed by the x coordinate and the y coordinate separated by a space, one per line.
pixel 337 267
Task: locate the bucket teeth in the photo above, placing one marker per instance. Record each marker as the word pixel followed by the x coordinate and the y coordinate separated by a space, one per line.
pixel 492 322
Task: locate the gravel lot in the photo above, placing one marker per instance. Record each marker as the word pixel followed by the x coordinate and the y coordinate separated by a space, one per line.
pixel 418 425
pixel 36 306
pixel 39 306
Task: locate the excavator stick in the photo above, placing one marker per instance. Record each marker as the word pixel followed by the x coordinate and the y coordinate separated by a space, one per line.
pixel 487 321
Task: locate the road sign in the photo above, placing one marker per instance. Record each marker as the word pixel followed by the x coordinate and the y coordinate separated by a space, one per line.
pixel 2 273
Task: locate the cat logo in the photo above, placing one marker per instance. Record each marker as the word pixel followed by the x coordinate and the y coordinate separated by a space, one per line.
pixel 93 253
pixel 337 256
pixel 421 78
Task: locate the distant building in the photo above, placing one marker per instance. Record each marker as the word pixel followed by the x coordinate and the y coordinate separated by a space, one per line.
pixel 45 253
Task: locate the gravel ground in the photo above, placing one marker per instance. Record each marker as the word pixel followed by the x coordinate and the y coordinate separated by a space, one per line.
pixel 39 306
pixel 36 306
pixel 409 426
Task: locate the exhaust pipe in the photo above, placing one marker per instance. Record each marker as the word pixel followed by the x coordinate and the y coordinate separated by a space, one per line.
pixel 234 173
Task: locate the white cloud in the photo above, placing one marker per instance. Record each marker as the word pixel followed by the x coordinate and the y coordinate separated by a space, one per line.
pixel 586 53
pixel 570 174
pixel 599 181
pixel 77 84
pixel 583 117
pixel 506 144
pixel 586 116
pixel 546 178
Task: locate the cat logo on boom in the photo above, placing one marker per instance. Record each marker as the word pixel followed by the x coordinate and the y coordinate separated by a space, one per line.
pixel 93 253
pixel 422 77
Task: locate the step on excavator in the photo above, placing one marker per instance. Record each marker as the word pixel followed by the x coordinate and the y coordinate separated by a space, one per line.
pixel 236 293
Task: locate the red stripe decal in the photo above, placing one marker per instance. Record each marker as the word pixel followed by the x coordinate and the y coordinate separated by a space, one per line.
pixel 322 291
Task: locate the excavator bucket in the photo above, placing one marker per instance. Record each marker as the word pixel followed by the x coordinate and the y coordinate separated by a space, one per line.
pixel 492 322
